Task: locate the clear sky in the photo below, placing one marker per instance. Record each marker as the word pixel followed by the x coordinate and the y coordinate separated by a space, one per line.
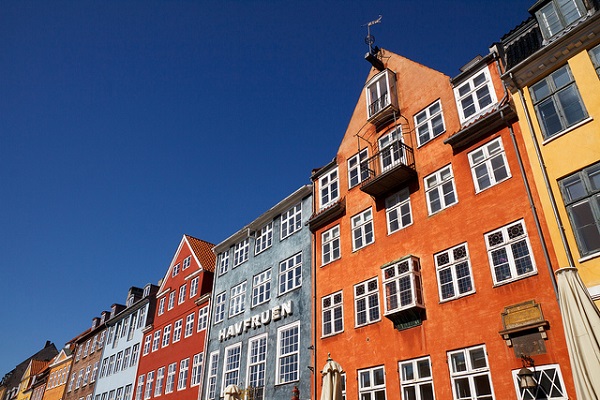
pixel 125 124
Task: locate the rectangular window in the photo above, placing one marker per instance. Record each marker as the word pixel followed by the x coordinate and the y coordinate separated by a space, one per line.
pixel 118 363
pixel 126 359
pixel 264 238
pixel 362 230
pixel 184 367
pixel 111 366
pixel 237 302
pixel 371 383
pixel 330 245
pixel 333 313
pixel 257 362
pixel 440 190
pixel 291 221
pixel 194 287
pixel 581 194
pixel 134 355
pixel 86 376
pixel 240 252
pixel 132 326
pixel 557 102
pixel 197 369
pixel 160 381
pixel 358 168
pixel 429 123
pixel 488 165
pixel 379 92
pixel 288 351
pixel 182 290
pixel 149 384
pixel 142 319
pixel 329 188
pixel 140 388
pixel 119 395
pixel 550 384
pixel 103 369
pixel 261 288
pixel 169 387
pixel 416 380
pixel 95 369
pixel 231 367
pixel 402 285
pixel 366 302
pixel 595 56
pixel 470 374
pixel 454 272
pixel 211 386
pixel 186 262
pixel 398 211
pixel 171 300
pixel 80 375
pixel 220 302
pixel 223 262
pixel 176 269
pixel 189 325
pixel 290 274
pixel 202 318
pixel 557 15
pixel 177 331
pixel 156 340
pixel 391 149
pixel 475 96
pixel 127 392
pixel 509 253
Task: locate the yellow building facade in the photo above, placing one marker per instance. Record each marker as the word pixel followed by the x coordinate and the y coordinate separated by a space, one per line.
pixel 57 375
pixel 553 72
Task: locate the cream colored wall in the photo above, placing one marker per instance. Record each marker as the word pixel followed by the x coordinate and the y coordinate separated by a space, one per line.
pixel 564 154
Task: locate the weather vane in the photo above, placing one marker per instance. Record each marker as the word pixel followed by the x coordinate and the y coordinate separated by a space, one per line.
pixel 370 39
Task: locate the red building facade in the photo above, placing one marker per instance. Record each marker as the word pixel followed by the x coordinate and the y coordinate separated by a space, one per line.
pixel 431 274
pixel 172 354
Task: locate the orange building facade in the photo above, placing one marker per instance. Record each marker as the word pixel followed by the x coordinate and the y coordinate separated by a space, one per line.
pixel 432 280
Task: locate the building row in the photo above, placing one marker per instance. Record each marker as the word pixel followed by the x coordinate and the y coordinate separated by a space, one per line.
pixel 426 257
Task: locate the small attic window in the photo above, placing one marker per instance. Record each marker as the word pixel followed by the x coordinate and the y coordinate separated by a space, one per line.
pixel 556 15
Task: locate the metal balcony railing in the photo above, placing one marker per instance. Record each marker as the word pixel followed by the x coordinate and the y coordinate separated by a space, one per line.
pixel 389 169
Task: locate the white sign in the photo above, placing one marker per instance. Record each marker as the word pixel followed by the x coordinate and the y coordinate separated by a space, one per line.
pixel 256 321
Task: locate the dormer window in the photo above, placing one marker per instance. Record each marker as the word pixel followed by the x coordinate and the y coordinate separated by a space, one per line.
pixel 381 94
pixel 475 95
pixel 557 15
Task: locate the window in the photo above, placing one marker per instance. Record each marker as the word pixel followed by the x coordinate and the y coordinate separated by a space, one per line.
pixel 156 340
pixel 440 190
pixel 402 285
pixel 366 302
pixel 557 102
pixel 118 397
pixel 362 230
pixel 290 273
pixel 454 272
pixel 189 325
pixel 415 379
pixel 132 326
pixel 489 165
pixel 429 123
pixel 171 300
pixel 80 375
pixel 211 387
pixel 231 368
pixel 264 238
pixel 182 290
pixel 220 307
pixel 86 376
pixel 288 339
pixel 142 319
pixel 581 194
pixel 139 389
pixel 550 384
pixel 184 367
pixel 223 262
pixel 147 342
pixel 176 269
pixel 149 384
pixel 595 56
pixel 103 369
pixel 379 93
pixel 398 211
pixel 330 245
pixel 177 330
pixel 391 151
pixel 237 302
pixel 197 369
pixel 329 190
pixel 557 15
pixel 186 262
pixel 261 288
pixel 118 364
pixel 358 168
pixel 509 253
pixel 291 221
pixel 171 378
pixel 194 287
pixel 475 95
pixel 240 252
pixel 135 352
pixel 470 374
pixel 333 313
pixel 371 383
pixel 202 318
pixel 126 394
pixel 257 360
pixel 95 368
pixel 126 360
pixel 160 379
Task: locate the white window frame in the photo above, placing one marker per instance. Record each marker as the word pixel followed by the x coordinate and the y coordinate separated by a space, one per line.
pixel 156 340
pixel 139 391
pixel 189 325
pixel 176 269
pixel 489 165
pixel 440 186
pixel 161 306
pixel 177 330
pixel 288 354
pixel 135 351
pixel 358 168
pixel 184 368
pixel 366 303
pixel 170 383
pixel 160 380
pixel 237 299
pixel 414 379
pixel 476 92
pixel 186 263
pixel 182 291
pixel 454 272
pixel 197 362
pixel 398 211
pixel 202 318
pixel 257 362
pixel 330 245
pixel 467 371
pixel 211 379
pixel 368 387
pixel 332 314
pixel 329 188
pixel 553 18
pixel 147 343
pixel 231 365
pixel 264 238
pixel 194 286
pixel 429 123
pixel 149 384
pixel 551 375
pixel 171 300
pixel 391 149
pixel 379 91
pixel 240 252
pixel 503 242
pixel 290 274
pixel 395 277
pixel 291 221
pixel 261 287
pixel 220 304
pixel 223 262
pixel 363 232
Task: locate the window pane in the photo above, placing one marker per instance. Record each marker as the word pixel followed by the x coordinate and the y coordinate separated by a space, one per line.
pixel 477 358
pixel 549 117
pixel 427 391
pixel 572 107
pixel 423 367
pixel 585 225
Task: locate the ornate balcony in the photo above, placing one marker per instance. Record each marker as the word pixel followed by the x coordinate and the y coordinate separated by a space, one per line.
pixel 391 169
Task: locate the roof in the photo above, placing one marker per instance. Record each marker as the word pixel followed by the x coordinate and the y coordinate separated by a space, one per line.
pixel 203 252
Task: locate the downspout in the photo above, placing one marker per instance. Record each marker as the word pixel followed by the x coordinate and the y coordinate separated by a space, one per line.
pixel 314 299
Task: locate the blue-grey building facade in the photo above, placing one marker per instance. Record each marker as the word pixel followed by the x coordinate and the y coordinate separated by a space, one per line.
pixel 260 330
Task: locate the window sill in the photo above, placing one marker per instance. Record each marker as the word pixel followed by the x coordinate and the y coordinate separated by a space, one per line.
pixel 457 297
pixel 509 281
pixel 330 262
pixel 477 191
pixel 589 257
pixel 569 129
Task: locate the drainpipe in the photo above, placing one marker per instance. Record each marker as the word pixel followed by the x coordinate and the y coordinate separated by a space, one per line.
pixel 314 317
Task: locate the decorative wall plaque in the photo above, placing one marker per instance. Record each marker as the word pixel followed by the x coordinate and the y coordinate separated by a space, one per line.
pixel 524 328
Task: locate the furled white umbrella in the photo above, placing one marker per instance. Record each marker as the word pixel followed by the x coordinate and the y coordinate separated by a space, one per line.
pixel 232 392
pixel 581 320
pixel 332 380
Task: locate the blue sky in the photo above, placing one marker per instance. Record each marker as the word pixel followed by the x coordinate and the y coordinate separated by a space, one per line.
pixel 125 124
